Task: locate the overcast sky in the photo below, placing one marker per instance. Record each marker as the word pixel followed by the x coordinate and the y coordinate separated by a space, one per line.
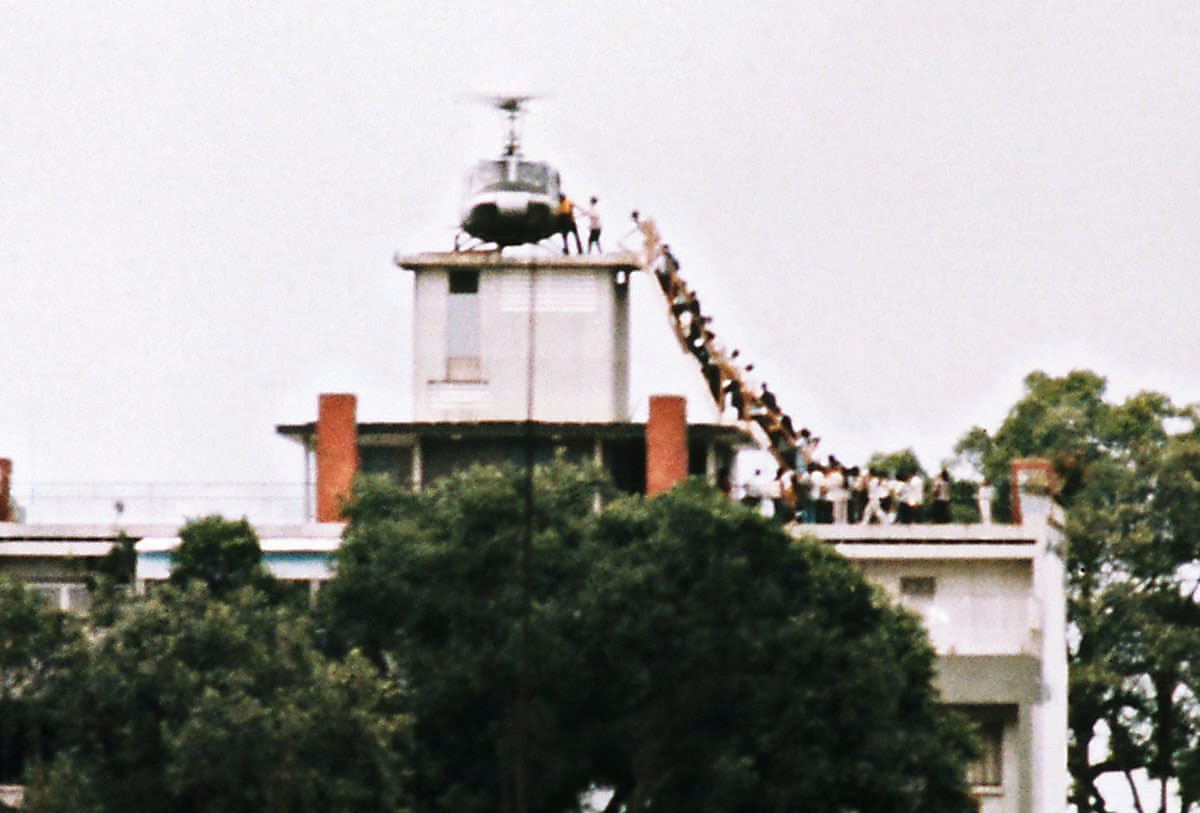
pixel 897 210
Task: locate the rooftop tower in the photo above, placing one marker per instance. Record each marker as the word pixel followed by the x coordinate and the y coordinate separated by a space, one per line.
pixel 499 338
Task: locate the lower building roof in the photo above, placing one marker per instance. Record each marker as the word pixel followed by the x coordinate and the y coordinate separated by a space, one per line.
pixel 407 433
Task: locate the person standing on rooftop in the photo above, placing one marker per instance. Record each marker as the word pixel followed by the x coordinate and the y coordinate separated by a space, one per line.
pixel 651 242
pixel 565 215
pixel 911 499
pixel 984 497
pixel 593 217
pixel 837 494
pixel 941 497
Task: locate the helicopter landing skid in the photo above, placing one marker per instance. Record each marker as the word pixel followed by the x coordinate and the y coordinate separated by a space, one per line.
pixel 473 245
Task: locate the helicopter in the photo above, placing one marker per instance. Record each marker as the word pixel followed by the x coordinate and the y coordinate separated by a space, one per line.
pixel 510 201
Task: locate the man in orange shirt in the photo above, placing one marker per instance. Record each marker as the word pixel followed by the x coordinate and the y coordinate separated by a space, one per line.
pixel 565 212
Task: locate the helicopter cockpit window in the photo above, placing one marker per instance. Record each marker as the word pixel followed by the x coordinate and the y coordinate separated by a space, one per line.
pixel 535 177
pixel 488 175
pixel 521 176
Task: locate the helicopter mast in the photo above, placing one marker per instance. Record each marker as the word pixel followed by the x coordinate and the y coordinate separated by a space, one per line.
pixel 512 107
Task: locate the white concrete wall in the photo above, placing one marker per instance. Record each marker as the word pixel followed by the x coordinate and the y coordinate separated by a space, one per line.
pixel 1004 799
pixel 978 608
pixel 1049 714
pixel 1001 596
pixel 575 348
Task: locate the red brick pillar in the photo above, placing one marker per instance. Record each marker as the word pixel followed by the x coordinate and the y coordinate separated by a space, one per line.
pixel 666 443
pixel 337 453
pixel 5 490
pixel 1035 474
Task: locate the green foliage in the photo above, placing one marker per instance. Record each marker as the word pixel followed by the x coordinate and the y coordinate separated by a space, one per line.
pixel 760 673
pixel 38 644
pixel 224 554
pixel 186 703
pixel 963 506
pixel 679 650
pixel 434 583
pixel 32 635
pixel 1127 474
pixel 1063 419
pixel 900 464
pixel 111 582
pixel 119 565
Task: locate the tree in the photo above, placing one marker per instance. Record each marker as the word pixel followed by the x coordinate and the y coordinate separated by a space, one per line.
pixel 224 554
pixel 186 703
pixel 760 673
pixel 38 643
pixel 1129 477
pixel 902 464
pixel 432 583
pixel 680 651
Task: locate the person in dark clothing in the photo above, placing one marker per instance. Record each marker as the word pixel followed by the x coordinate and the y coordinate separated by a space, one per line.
pixel 941 497
pixel 724 481
pixel 734 390
pixel 669 259
pixel 686 302
pixel 712 374
pixel 784 499
pixel 768 399
pixel 565 215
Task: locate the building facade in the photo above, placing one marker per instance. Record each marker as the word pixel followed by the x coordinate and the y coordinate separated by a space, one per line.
pixel 515 359
pixel 496 338
pixel 522 360
pixel 992 599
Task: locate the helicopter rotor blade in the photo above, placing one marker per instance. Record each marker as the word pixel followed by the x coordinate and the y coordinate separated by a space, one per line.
pixel 511 104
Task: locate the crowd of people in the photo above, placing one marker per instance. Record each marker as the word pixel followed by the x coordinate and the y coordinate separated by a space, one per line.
pixel 832 493
pixel 731 380
pixel 804 489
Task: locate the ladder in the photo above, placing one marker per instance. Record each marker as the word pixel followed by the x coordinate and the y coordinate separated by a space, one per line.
pixel 724 371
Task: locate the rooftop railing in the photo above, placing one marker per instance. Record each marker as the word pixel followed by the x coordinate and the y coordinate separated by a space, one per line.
pixel 170 502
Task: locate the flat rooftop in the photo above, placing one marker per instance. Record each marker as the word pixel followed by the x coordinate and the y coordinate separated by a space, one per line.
pixel 400 434
pixel 927 541
pixel 494 260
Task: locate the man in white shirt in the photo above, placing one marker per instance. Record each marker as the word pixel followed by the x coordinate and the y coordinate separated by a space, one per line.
pixel 593 217
pixel 835 487
pixel 984 497
pixel 876 491
pixel 914 493
pixel 816 491
pixel 753 490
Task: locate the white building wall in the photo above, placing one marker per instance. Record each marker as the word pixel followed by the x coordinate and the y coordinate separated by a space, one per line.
pixel 997 619
pixel 579 361
pixel 978 608
pixel 1049 714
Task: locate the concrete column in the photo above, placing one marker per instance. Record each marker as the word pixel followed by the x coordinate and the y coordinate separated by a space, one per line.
pixel 337 453
pixel 1029 477
pixel 620 347
pixel 5 490
pixel 666 443
pixel 417 473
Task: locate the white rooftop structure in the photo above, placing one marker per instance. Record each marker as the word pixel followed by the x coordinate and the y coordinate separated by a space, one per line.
pixel 992 599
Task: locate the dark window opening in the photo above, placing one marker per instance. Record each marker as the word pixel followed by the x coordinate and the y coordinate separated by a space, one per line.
pixel 463 328
pixel 464 282
pixel 988 768
pixel 394 462
pixel 918 586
